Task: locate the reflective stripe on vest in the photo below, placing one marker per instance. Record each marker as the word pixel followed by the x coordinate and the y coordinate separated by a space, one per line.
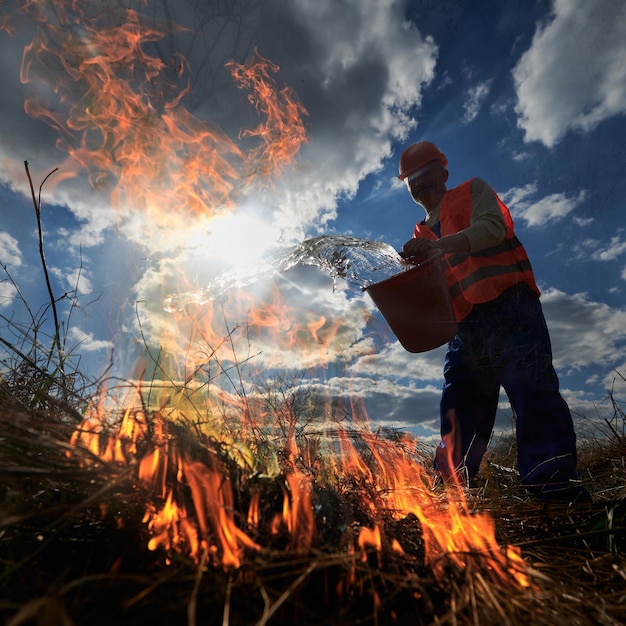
pixel 481 276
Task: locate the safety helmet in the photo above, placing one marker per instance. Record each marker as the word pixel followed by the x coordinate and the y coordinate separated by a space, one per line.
pixel 419 154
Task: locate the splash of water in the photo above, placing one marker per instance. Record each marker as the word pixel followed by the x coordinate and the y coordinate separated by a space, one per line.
pixel 360 262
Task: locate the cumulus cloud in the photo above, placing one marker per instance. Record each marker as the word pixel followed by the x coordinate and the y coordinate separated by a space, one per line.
pixel 536 212
pixel 573 76
pixel 74 280
pixel 394 362
pixel 583 332
pixel 359 68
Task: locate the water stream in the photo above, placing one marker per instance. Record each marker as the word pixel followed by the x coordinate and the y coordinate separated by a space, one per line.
pixel 360 262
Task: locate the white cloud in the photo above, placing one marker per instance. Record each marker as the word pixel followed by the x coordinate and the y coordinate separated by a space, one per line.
pixel 74 280
pixel 552 207
pixel 7 293
pixel 393 361
pixel 615 248
pixel 519 195
pixel 521 156
pixel 536 212
pixel 10 253
pixel 583 332
pixel 79 280
pixel 476 95
pixel 359 68
pixel 573 76
pixel 615 383
pixel 390 403
pixel 583 221
pixel 86 341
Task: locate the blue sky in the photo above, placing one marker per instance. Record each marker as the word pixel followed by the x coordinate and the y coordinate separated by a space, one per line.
pixel 530 96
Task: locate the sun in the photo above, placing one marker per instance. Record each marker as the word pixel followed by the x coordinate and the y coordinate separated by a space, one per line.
pixel 239 238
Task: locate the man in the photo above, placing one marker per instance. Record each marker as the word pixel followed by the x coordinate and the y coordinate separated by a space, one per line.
pixel 502 339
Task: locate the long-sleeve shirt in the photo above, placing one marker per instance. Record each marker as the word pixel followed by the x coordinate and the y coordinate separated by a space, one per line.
pixel 487 227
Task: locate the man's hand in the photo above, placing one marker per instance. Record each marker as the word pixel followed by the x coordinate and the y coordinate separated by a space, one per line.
pixel 450 244
pixel 418 248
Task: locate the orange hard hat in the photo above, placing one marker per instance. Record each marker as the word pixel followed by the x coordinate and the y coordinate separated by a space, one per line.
pixel 419 154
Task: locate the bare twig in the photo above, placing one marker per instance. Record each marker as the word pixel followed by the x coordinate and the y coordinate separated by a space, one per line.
pixel 267 614
pixel 37 204
pixel 192 606
pixel 229 590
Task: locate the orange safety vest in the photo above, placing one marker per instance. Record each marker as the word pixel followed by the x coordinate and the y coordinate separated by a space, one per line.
pixel 479 276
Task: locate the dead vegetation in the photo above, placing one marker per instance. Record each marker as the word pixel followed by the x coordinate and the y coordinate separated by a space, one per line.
pixel 77 542
pixel 74 545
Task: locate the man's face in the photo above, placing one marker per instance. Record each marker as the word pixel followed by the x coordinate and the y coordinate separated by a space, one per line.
pixel 427 186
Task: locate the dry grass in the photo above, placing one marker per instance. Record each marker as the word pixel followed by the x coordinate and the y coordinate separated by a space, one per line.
pixel 73 547
pixel 74 544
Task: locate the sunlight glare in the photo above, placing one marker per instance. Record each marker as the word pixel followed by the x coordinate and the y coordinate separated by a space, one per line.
pixel 239 238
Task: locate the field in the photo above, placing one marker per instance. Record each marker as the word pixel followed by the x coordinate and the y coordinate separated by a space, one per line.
pixel 81 541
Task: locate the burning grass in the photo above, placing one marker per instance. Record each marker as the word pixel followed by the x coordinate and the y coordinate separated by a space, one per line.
pixel 166 513
pixel 158 519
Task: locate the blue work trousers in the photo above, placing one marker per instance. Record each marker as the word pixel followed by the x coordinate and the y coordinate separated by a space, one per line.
pixel 505 343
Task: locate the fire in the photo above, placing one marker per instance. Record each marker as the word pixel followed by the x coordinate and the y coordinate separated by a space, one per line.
pixel 293 328
pixel 284 130
pixel 369 537
pixel 117 448
pixel 298 511
pixel 213 502
pixel 171 529
pixel 121 118
pixel 450 531
pixel 390 486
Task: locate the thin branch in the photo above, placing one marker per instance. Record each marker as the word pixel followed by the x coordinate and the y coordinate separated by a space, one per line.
pixel 37 204
pixel 269 611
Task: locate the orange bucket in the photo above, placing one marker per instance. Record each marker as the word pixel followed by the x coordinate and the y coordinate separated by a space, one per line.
pixel 416 304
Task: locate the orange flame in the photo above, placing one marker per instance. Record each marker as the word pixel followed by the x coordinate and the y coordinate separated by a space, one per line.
pixel 450 531
pixel 292 328
pixel 213 500
pixel 137 139
pixel 390 483
pixel 171 528
pixel 284 131
pixel 298 512
pixel 369 537
pixel 119 447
